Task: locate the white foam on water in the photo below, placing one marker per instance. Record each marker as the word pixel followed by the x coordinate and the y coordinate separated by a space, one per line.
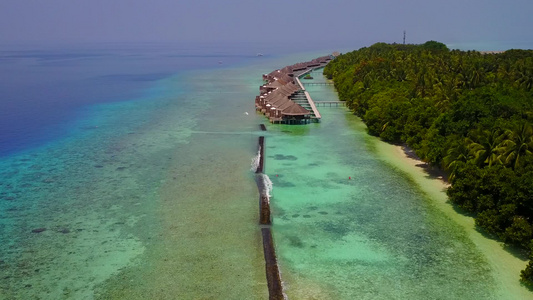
pixel 255 161
pixel 267 184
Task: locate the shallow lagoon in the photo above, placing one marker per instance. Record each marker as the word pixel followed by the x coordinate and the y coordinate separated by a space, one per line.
pixel 348 225
pixel 153 198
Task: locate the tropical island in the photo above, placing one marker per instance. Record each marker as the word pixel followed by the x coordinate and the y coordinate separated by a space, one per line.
pixel 469 113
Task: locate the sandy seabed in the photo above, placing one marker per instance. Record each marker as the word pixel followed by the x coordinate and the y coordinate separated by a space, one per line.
pixel 357 218
pixel 506 263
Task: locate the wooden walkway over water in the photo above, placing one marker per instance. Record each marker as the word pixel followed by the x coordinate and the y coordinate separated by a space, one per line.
pixel 317 83
pixel 309 100
pixel 284 99
pixel 273 275
pixel 330 103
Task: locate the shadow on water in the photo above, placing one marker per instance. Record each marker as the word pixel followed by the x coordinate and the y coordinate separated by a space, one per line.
pixel 280 182
pixel 511 249
pixel 293 130
pixel 514 250
pixel 295 241
pixel 527 286
pixel 437 173
pixel 377 234
pixel 283 157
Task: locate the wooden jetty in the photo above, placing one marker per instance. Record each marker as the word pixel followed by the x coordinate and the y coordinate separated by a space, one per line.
pixel 275 288
pixel 283 98
pixel 261 154
pixel 313 106
pixel 318 83
pixel 264 200
pixel 309 100
pixel 264 210
pixel 273 276
pixel 330 103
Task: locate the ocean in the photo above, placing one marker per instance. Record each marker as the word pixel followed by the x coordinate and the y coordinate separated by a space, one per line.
pixel 125 174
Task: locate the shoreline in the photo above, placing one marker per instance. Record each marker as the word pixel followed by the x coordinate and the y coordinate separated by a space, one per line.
pixel 345 239
pixel 505 265
pixel 432 172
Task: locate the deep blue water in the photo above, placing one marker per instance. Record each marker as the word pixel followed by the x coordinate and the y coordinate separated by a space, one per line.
pixel 44 89
pixel 92 138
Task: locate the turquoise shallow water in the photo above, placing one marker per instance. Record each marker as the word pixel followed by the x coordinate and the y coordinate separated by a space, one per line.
pixel 150 197
pixel 153 198
pixel 90 191
pixel 348 226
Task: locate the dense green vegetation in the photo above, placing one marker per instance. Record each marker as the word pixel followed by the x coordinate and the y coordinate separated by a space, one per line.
pixel 467 112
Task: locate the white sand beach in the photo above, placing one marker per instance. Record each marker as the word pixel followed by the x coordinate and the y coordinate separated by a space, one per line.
pixel 505 266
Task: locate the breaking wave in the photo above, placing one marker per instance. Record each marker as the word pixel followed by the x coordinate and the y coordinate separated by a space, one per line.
pixel 264 184
pixel 267 185
pixel 255 161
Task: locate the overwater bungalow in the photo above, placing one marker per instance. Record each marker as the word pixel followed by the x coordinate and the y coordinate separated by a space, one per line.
pixel 295 114
pixel 288 70
pixel 282 85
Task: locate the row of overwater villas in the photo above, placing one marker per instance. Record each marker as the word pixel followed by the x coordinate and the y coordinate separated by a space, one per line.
pixel 276 96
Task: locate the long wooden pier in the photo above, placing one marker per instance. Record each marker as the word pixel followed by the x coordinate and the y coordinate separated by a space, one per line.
pixel 313 107
pixel 309 99
pixel 283 98
pixel 330 103
pixel 261 154
pixel 318 83
pixel 275 287
pixel 273 276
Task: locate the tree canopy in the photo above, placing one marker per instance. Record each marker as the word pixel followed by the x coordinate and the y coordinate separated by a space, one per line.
pixel 467 112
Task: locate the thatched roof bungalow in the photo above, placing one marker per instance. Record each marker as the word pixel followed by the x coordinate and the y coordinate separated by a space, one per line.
pixel 295 110
pixel 275 95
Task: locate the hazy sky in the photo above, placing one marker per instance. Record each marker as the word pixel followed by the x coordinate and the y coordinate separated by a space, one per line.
pixel 329 21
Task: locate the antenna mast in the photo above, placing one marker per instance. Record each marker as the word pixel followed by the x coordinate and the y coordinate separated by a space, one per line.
pixel 404 37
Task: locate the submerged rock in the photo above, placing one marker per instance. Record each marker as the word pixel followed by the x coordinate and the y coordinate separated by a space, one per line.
pixel 295 241
pixel 284 157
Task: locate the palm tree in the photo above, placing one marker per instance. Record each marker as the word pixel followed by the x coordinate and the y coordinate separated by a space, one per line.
pixel 525 79
pixel 399 74
pixel 488 148
pixel 523 73
pixel 368 79
pixel 460 154
pixel 446 91
pixel 421 83
pixel 519 143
